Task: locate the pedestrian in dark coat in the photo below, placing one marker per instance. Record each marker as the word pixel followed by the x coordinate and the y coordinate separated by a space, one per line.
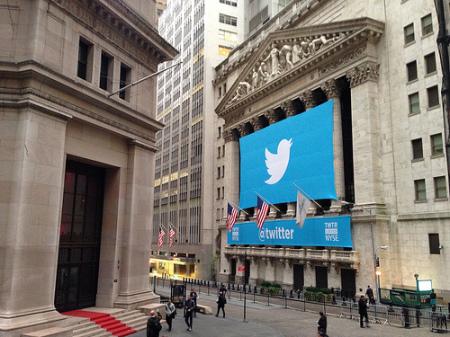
pixel 194 297
pixel 362 309
pixel 153 325
pixel 189 312
pixel 221 300
pixel 369 293
pixel 322 325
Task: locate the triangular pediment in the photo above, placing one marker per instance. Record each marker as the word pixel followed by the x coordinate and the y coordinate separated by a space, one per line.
pixel 284 52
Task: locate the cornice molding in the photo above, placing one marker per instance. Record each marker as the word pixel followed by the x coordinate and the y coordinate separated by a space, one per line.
pixel 120 25
pixel 115 117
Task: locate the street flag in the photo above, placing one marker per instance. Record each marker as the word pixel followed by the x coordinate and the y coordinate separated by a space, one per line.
pixel 172 234
pixel 303 204
pixel 161 237
pixel 263 208
pixel 232 214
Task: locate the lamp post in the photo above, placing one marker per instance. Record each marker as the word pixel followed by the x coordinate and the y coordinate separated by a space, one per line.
pixel 377 270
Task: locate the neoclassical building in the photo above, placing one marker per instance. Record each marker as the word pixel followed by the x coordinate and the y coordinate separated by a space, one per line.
pixel 382 72
pixel 76 163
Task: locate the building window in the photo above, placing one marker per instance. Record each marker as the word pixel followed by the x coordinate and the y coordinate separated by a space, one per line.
pixel 224 51
pixel 224 88
pixel 433 96
pixel 420 190
pixel 84 70
pixel 417 149
pixel 437 148
pixel 414 104
pixel 433 239
pixel 228 36
pixel 427 25
pixel 408 32
pixel 218 152
pixel 106 72
pixel 227 19
pixel 223 150
pixel 218 172
pixel 223 192
pixel 125 79
pixel 430 63
pixel 218 193
pixel 219 132
pixel 229 2
pixel 440 187
pixel 411 68
pixel 223 171
pixel 220 91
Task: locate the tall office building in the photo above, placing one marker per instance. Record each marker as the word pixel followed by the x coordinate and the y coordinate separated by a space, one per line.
pixel 356 86
pixel 204 32
pixel 258 12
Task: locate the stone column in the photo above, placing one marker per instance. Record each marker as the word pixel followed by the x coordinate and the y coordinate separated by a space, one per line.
pixel 291 209
pixel 257 123
pixel 288 278
pixel 232 164
pixel 32 164
pixel 134 287
pixel 254 271
pixel 270 270
pixel 332 91
pixel 366 133
pixel 289 108
pixel 307 98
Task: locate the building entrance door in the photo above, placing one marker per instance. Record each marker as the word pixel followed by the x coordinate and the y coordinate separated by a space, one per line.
pixel 299 277
pixel 79 247
pixel 348 282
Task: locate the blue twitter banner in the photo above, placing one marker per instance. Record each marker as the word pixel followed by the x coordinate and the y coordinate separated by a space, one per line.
pixel 316 232
pixel 295 152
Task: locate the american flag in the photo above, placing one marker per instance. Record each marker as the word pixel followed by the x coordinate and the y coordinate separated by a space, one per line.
pixel 263 208
pixel 232 214
pixel 171 235
pixel 161 237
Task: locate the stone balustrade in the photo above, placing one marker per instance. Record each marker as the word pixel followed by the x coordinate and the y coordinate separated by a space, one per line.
pixel 300 254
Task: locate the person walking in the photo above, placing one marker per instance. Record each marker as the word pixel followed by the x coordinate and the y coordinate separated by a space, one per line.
pixel 221 300
pixel 369 294
pixel 189 312
pixel 322 325
pixel 362 309
pixel 194 298
pixel 153 325
pixel 171 311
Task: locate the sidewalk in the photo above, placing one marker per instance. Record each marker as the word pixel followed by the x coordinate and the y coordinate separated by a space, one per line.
pixel 276 321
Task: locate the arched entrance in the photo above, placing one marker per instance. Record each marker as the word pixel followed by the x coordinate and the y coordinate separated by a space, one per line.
pixel 80 235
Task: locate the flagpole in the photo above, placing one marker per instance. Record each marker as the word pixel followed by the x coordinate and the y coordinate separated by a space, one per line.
pixel 301 190
pixel 264 199
pixel 240 209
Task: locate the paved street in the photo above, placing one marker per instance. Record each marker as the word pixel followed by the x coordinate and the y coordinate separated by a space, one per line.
pixel 275 321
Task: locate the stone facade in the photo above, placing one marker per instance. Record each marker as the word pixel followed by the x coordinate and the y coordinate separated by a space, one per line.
pixel 356 54
pixel 49 115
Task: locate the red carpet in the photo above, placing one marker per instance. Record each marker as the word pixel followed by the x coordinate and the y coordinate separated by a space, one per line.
pixel 106 321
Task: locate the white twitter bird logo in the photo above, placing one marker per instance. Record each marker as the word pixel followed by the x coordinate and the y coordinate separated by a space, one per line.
pixel 277 163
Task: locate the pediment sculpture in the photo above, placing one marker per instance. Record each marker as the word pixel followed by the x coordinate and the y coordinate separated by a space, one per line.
pixel 280 58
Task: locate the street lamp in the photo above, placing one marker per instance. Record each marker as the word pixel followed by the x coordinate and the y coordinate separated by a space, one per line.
pixel 378 271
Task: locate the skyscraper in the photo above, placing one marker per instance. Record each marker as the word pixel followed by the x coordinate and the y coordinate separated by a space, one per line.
pixel 184 182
